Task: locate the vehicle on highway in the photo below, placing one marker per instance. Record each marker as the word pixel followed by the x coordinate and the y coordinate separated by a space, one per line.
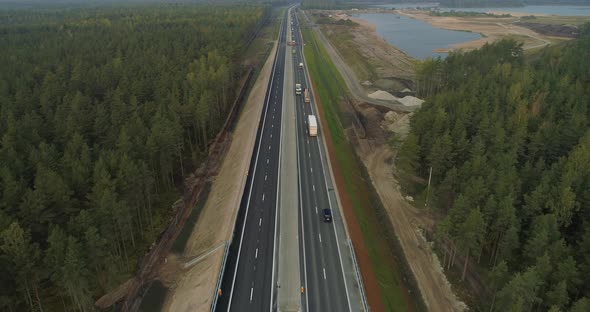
pixel 294 51
pixel 313 125
pixel 297 88
pixel 305 95
pixel 301 65
pixel 327 215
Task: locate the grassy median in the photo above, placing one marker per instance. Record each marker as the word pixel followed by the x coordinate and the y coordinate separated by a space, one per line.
pixel 330 87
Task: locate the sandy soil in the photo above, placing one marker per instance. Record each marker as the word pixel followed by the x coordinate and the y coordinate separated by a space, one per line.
pixel 387 60
pixel 194 290
pixel 386 96
pixel 406 219
pixel 492 28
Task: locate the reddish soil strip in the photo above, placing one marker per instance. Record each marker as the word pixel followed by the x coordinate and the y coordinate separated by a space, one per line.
pixel 362 256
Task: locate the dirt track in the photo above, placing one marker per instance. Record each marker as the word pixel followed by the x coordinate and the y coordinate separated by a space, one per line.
pixel 436 291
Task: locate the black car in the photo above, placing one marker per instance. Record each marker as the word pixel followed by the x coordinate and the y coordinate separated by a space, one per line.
pixel 327 215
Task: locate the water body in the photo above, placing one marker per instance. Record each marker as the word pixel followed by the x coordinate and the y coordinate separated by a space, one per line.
pixel 564 10
pixel 416 38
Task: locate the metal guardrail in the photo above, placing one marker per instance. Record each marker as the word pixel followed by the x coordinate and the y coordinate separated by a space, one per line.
pixel 220 278
pixel 358 277
pixel 355 263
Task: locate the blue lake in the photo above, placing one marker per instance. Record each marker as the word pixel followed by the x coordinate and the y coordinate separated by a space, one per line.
pixel 416 38
pixel 565 10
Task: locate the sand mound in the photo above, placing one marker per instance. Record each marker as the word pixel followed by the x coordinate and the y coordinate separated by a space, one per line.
pixel 382 95
pixel 386 96
pixel 411 101
pixel 397 123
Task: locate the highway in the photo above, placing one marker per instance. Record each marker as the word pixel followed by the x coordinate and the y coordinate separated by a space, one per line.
pixel 323 271
pixel 283 256
pixel 248 281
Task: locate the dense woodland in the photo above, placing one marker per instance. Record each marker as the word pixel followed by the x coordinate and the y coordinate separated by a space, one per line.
pixel 102 111
pixel 508 141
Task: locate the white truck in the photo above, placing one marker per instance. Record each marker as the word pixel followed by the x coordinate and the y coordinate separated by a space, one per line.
pixel 301 65
pixel 313 125
pixel 298 88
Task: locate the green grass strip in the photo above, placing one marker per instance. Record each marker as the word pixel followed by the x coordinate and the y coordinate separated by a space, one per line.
pixel 329 88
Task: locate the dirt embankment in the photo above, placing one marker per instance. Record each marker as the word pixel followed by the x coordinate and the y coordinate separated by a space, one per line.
pixel 376 63
pixel 193 289
pixel 565 31
pixel 408 221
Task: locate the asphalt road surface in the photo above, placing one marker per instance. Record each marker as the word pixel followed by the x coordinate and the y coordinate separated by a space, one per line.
pixel 248 281
pixel 323 273
pixel 250 278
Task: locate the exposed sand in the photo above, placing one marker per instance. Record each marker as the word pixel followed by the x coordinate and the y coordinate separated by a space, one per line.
pixel 195 289
pixel 491 28
pixel 434 287
pixel 386 96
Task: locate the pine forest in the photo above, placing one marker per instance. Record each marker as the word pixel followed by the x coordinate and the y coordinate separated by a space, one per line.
pixel 103 111
pixel 507 139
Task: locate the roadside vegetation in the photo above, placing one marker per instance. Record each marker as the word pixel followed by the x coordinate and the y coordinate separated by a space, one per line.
pixel 103 111
pixel 329 87
pixel 557 20
pixel 507 140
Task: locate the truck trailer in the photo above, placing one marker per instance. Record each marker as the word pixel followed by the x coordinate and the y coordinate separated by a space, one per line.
pixel 313 125
pixel 306 95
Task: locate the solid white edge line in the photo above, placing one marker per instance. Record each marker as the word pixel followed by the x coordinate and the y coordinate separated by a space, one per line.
pixel 312 106
pixel 255 164
pixel 274 252
pixel 306 289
